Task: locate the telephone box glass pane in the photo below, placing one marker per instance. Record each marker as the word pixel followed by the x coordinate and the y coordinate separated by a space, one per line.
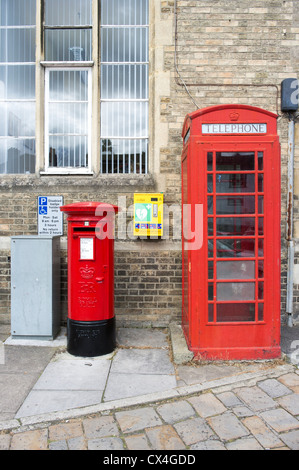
pixel 235 226
pixel 231 248
pixel 260 156
pixel 235 205
pixel 235 291
pixel 210 161
pixel 260 183
pixel 235 183
pixel 260 312
pixel 235 269
pixel 235 312
pixel 210 204
pixel 235 161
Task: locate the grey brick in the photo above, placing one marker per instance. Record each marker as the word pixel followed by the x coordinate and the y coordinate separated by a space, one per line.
pixel 194 430
pixel 274 388
pixel 227 426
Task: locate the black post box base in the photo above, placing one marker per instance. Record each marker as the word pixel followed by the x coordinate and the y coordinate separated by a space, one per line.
pixel 92 338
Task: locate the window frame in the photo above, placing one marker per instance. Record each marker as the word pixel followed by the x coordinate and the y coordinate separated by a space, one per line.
pixel 67 67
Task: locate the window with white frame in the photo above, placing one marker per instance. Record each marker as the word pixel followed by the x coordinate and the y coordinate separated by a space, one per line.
pixel 67 36
pixel 67 118
pixel 17 86
pixel 124 86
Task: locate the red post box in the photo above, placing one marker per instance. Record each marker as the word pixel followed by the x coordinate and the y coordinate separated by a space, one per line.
pixel 231 280
pixel 91 321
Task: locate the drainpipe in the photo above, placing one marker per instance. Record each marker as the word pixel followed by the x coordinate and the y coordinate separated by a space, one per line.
pixel 290 241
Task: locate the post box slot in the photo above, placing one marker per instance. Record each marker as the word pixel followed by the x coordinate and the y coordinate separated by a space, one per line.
pixel 84 229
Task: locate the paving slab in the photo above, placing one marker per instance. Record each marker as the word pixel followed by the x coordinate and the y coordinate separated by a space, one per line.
pixel 164 438
pixel 256 398
pixel 127 385
pixel 135 420
pixel 194 430
pixel 274 388
pixel 142 338
pixel 74 375
pixel 143 361
pixel 262 433
pixel 176 411
pixel 227 426
pixel 290 403
pixel 280 420
pixel 291 439
pixel 41 402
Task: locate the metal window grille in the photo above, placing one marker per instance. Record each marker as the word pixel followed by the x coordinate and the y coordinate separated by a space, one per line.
pixel 68 118
pixel 17 86
pixel 124 86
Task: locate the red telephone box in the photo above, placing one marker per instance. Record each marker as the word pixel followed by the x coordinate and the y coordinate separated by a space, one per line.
pixel 91 321
pixel 231 279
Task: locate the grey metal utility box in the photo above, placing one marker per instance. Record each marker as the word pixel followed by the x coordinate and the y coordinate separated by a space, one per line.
pixel 35 287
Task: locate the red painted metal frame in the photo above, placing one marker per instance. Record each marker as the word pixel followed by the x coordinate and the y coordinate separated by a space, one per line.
pixel 259 338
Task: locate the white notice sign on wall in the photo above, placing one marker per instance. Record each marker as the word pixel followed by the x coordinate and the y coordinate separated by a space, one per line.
pixel 50 217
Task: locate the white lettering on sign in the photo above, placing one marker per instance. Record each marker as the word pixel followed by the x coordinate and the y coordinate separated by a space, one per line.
pixel 234 128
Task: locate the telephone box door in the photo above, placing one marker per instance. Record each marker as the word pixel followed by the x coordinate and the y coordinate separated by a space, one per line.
pixel 240 249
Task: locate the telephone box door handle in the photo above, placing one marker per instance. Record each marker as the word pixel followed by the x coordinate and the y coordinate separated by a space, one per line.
pixel 99 279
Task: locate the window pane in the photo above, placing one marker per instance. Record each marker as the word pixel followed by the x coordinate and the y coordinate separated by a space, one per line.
pixel 124 12
pixel 124 119
pixel 68 45
pixel 235 269
pixel 65 118
pixel 68 151
pixel 235 205
pixel 210 204
pixel 235 312
pixel 235 248
pixel 124 155
pixel 68 12
pixel 17 12
pixel 242 183
pixel 17 119
pixel 260 312
pixel 235 226
pixel 68 118
pixel 17 82
pixel 124 44
pixel 17 155
pixel 236 161
pixel 260 161
pixel 124 81
pixel 68 85
pixel 17 45
pixel 210 183
pixel 210 161
pixel 236 291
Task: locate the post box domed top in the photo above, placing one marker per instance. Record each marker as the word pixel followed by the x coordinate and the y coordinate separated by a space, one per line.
pixel 89 208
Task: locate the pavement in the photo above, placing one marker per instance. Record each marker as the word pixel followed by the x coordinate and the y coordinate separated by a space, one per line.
pixel 149 394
